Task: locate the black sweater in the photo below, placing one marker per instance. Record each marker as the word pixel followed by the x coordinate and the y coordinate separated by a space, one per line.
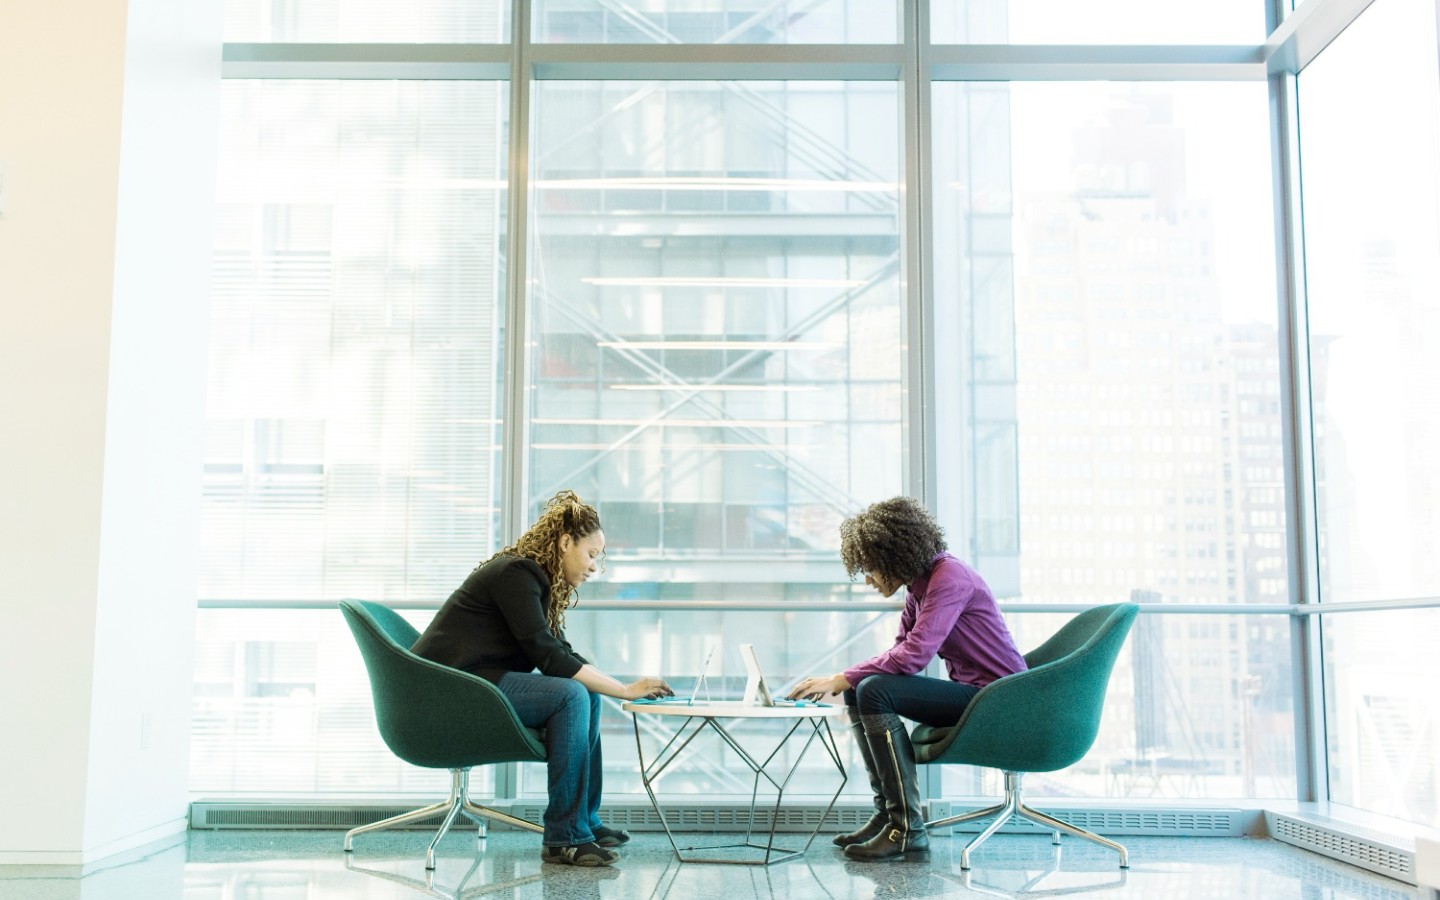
pixel 495 623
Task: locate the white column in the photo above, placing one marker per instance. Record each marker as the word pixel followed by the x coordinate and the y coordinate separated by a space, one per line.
pixel 1427 866
pixel 108 124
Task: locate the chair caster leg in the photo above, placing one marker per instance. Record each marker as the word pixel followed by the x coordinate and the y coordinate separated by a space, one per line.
pixel 1051 822
pixel 449 820
pixel 402 819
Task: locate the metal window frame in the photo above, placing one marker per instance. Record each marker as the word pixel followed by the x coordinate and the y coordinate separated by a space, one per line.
pixel 1296 36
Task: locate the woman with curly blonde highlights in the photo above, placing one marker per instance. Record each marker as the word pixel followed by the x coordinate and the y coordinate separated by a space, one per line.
pixel 506 621
pixel 565 514
pixel 950 612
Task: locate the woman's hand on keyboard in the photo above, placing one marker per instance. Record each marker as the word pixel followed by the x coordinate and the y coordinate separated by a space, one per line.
pixel 648 688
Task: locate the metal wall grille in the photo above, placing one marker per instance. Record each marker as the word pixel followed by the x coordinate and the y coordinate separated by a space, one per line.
pixel 642 817
pixel 1352 846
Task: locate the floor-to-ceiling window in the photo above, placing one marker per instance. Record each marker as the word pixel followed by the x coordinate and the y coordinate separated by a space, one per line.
pixel 1130 235
pixel 1372 239
pixel 716 355
pixel 772 261
pixel 353 403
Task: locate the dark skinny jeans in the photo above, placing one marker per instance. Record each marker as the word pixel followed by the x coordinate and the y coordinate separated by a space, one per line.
pixel 930 701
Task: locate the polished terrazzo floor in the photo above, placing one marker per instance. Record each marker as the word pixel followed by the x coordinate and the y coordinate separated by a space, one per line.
pixel 279 865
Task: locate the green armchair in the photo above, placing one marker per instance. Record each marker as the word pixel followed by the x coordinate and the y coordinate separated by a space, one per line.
pixel 1039 720
pixel 436 717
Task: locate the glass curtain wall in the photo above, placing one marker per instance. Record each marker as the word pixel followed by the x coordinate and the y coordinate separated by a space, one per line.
pixel 715 317
pixel 353 404
pixel 1372 237
pixel 737 328
pixel 1126 235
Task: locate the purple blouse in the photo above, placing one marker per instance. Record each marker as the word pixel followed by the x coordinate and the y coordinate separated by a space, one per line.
pixel 949 611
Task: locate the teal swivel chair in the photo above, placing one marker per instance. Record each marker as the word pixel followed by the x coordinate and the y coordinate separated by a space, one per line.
pixel 1039 720
pixel 436 717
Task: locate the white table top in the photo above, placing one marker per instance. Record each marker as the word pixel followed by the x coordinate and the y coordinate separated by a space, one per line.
pixel 734 709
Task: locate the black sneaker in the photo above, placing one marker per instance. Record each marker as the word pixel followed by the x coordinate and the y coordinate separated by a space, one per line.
pixel 588 854
pixel 606 836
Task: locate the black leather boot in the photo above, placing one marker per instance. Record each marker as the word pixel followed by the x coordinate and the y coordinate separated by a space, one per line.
pixel 904 835
pixel 880 819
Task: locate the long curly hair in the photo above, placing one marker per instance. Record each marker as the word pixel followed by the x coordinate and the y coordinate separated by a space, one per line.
pixel 565 513
pixel 896 538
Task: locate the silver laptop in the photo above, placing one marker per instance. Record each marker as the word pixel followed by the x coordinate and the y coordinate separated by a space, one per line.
pixel 695 691
pixel 757 692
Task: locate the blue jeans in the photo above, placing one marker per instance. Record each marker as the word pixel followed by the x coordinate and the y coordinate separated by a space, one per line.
pixel 929 701
pixel 570 715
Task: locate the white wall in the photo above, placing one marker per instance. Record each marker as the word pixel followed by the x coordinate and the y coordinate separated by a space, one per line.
pixel 108 118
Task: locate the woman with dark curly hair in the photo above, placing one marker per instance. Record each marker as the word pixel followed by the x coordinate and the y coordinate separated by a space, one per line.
pixel 950 612
pixel 506 621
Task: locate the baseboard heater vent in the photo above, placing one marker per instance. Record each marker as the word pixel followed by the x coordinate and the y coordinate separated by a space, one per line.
pixel 1180 822
pixel 1357 846
pixel 716 817
pixel 215 815
pixel 720 818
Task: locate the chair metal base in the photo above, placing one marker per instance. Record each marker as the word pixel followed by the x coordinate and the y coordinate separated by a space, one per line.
pixel 1014 806
pixel 459 803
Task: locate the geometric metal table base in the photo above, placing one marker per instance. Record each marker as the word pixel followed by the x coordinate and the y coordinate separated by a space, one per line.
pixel 700 720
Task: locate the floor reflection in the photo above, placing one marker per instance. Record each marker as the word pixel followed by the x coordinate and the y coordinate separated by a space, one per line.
pixel 1049 883
pixel 796 879
pixel 492 874
pixel 274 865
pixel 462 890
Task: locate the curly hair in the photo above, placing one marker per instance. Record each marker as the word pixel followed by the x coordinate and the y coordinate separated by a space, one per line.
pixel 565 513
pixel 896 538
